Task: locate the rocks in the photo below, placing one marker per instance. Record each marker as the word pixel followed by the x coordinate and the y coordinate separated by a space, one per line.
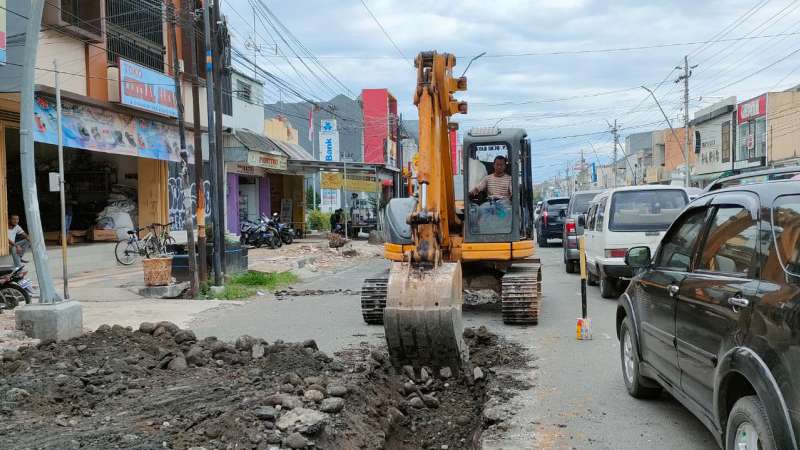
pixel 293 379
pixel 430 401
pixel 296 440
pixel 310 343
pixel 311 381
pixel 195 356
pixel 178 364
pixel 492 415
pixel 104 328
pixel 257 350
pixel 336 390
pixel 314 395
pixel 170 327
pixel 265 413
pixel 16 394
pixel 396 417
pixel 378 356
pixel 245 342
pixel 332 405
pixel 10 356
pixel 469 333
pixel 417 403
pixel 185 336
pixel 446 372
pixel 147 327
pixel 303 420
pixel 477 374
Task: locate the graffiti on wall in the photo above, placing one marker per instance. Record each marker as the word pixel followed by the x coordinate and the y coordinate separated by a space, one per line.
pixel 177 213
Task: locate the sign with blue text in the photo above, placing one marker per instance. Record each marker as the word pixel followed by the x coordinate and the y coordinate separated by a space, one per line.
pixel 328 140
pixel 146 89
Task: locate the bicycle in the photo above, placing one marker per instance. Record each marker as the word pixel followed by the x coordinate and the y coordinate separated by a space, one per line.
pixel 154 243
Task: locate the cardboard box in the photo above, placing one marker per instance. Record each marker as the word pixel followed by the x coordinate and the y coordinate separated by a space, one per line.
pixel 102 235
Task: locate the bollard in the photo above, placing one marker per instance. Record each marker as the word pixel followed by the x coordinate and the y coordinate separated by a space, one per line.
pixel 583 328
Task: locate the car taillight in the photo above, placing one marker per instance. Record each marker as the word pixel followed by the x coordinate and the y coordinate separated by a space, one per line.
pixel 544 218
pixel 571 228
pixel 616 252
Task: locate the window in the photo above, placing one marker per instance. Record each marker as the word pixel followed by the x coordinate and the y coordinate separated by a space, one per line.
pixel 244 91
pixel 580 203
pixel 227 96
pixel 786 229
pixel 601 214
pixel 135 31
pixel 697 142
pixel 676 248
pixel 590 216
pixel 731 243
pixel 646 210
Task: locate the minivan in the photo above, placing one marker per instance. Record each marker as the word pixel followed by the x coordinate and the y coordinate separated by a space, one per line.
pixel 622 218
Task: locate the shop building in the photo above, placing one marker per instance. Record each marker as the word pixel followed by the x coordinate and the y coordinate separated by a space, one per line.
pixel 381 132
pixel 751 134
pixel 783 128
pixel 714 131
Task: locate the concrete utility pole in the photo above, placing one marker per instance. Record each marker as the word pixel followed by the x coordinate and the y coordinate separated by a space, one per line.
pixel 687 72
pixel 194 287
pixel 615 132
pixel 61 185
pixel 199 180
pixel 212 143
pixel 219 186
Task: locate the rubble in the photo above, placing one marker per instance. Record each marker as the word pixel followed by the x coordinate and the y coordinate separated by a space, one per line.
pixel 119 388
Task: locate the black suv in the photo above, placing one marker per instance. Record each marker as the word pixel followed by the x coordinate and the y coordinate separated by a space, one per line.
pixel 551 220
pixel 714 316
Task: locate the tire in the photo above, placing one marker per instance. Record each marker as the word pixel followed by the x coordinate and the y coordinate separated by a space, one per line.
pixel 608 287
pixel 569 266
pixel 637 385
pixel 287 239
pixel 747 417
pixel 125 252
pixel 13 294
pixel 591 280
pixel 168 240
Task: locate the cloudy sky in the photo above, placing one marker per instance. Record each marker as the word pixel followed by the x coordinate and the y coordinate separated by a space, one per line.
pixel 560 69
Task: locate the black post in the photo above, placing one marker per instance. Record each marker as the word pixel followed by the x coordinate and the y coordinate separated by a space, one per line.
pixel 219 72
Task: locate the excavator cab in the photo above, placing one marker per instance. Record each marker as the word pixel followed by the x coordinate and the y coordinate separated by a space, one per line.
pixel 493 213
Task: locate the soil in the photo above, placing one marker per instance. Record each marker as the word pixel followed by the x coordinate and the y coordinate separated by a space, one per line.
pixel 159 387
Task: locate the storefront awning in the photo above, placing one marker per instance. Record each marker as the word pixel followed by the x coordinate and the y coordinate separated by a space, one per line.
pixel 241 138
pixel 338 166
pixel 293 151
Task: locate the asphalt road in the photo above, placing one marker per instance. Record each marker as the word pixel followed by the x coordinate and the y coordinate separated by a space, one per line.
pixel 577 399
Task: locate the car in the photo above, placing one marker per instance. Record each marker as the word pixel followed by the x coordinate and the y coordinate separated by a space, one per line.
pixel 758 176
pixel 621 218
pixel 714 316
pixel 578 206
pixel 551 220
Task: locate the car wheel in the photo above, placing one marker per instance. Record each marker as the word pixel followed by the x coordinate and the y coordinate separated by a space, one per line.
pixel 591 280
pixel 748 426
pixel 608 287
pixel 637 385
pixel 569 266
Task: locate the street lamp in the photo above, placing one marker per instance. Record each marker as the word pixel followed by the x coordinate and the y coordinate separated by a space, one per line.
pixel 688 179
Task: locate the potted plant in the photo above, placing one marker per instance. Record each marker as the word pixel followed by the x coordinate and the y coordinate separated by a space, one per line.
pixel 157 266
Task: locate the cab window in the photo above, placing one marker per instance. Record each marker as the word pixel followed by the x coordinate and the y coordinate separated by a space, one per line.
pixel 731 243
pixel 601 214
pixel 590 217
pixel 677 246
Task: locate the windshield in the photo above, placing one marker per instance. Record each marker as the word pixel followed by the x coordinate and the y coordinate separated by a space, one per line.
pixel 580 202
pixel 651 210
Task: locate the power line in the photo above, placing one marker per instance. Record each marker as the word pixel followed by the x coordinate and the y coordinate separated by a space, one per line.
pixel 385 33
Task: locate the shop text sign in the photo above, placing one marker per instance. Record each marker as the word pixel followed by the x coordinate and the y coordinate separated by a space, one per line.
pixel 266 160
pixel 355 182
pixel 752 108
pixel 329 140
pixel 147 89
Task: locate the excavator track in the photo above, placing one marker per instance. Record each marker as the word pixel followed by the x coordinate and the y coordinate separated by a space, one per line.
pixel 422 319
pixel 373 299
pixel 521 293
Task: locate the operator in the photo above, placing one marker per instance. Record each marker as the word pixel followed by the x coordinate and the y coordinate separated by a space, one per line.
pixel 494 216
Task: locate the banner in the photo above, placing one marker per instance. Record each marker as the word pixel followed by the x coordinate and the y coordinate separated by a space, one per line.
pixel 328 140
pixel 90 128
pixel 355 182
pixel 329 200
pixel 266 160
pixel 3 32
pixel 147 89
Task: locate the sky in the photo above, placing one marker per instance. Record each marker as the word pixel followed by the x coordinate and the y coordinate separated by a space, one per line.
pixel 560 69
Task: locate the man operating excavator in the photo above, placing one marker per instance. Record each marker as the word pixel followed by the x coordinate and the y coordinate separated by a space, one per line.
pixel 494 215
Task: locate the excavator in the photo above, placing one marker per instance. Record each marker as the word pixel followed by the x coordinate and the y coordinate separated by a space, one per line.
pixel 437 246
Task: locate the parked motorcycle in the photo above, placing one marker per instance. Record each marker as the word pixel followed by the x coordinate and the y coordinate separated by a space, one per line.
pixel 14 287
pixel 258 234
pixel 285 231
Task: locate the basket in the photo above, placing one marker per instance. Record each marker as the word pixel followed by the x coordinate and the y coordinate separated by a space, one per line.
pixel 157 271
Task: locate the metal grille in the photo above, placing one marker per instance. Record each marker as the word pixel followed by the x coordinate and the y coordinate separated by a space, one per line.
pixel 135 31
pixel 82 14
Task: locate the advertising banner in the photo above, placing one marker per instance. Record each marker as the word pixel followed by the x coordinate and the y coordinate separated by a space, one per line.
pixel 90 128
pixel 355 182
pixel 751 109
pixel 266 160
pixel 328 140
pixel 147 89
pixel 3 32
pixel 329 200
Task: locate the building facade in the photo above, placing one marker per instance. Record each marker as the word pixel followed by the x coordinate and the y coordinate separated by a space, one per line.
pixel 714 139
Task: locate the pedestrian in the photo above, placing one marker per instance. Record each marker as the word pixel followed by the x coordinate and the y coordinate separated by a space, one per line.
pixel 18 240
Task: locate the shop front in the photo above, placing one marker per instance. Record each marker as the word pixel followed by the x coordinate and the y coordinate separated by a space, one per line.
pixel 714 132
pixel 751 134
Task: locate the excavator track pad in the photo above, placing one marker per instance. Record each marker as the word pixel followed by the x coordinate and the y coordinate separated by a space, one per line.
pixel 422 318
pixel 373 299
pixel 521 293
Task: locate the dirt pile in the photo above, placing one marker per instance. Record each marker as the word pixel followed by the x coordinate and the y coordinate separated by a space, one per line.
pixel 161 387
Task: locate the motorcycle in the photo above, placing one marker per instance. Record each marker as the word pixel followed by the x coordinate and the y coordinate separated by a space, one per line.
pixel 284 230
pixel 257 234
pixel 14 287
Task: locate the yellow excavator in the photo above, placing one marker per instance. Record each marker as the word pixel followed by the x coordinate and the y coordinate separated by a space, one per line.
pixel 438 248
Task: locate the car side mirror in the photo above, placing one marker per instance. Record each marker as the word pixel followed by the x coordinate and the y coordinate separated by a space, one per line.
pixel 638 257
pixel 582 220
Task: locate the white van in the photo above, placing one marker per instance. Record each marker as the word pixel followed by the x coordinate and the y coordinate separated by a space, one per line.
pixel 622 218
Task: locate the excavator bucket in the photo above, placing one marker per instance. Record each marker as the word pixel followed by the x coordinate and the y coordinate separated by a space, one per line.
pixel 422 318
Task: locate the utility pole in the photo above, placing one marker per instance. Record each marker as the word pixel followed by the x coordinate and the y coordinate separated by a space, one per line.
pixel 61 185
pixel 615 131
pixel 687 72
pixel 219 72
pixel 47 292
pixel 191 250
pixel 212 142
pixel 199 181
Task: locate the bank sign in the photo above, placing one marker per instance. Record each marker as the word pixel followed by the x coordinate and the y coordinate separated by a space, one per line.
pixel 147 89
pixel 328 140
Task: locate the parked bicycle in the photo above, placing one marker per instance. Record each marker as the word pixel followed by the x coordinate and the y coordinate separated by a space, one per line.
pixel 155 242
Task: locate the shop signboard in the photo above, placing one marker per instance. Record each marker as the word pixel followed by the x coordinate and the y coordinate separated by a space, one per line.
pixel 3 31
pixel 714 145
pixel 329 140
pixel 245 169
pixel 329 199
pixel 147 89
pixel 266 160
pixel 751 109
pixel 91 128
pixel 355 182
